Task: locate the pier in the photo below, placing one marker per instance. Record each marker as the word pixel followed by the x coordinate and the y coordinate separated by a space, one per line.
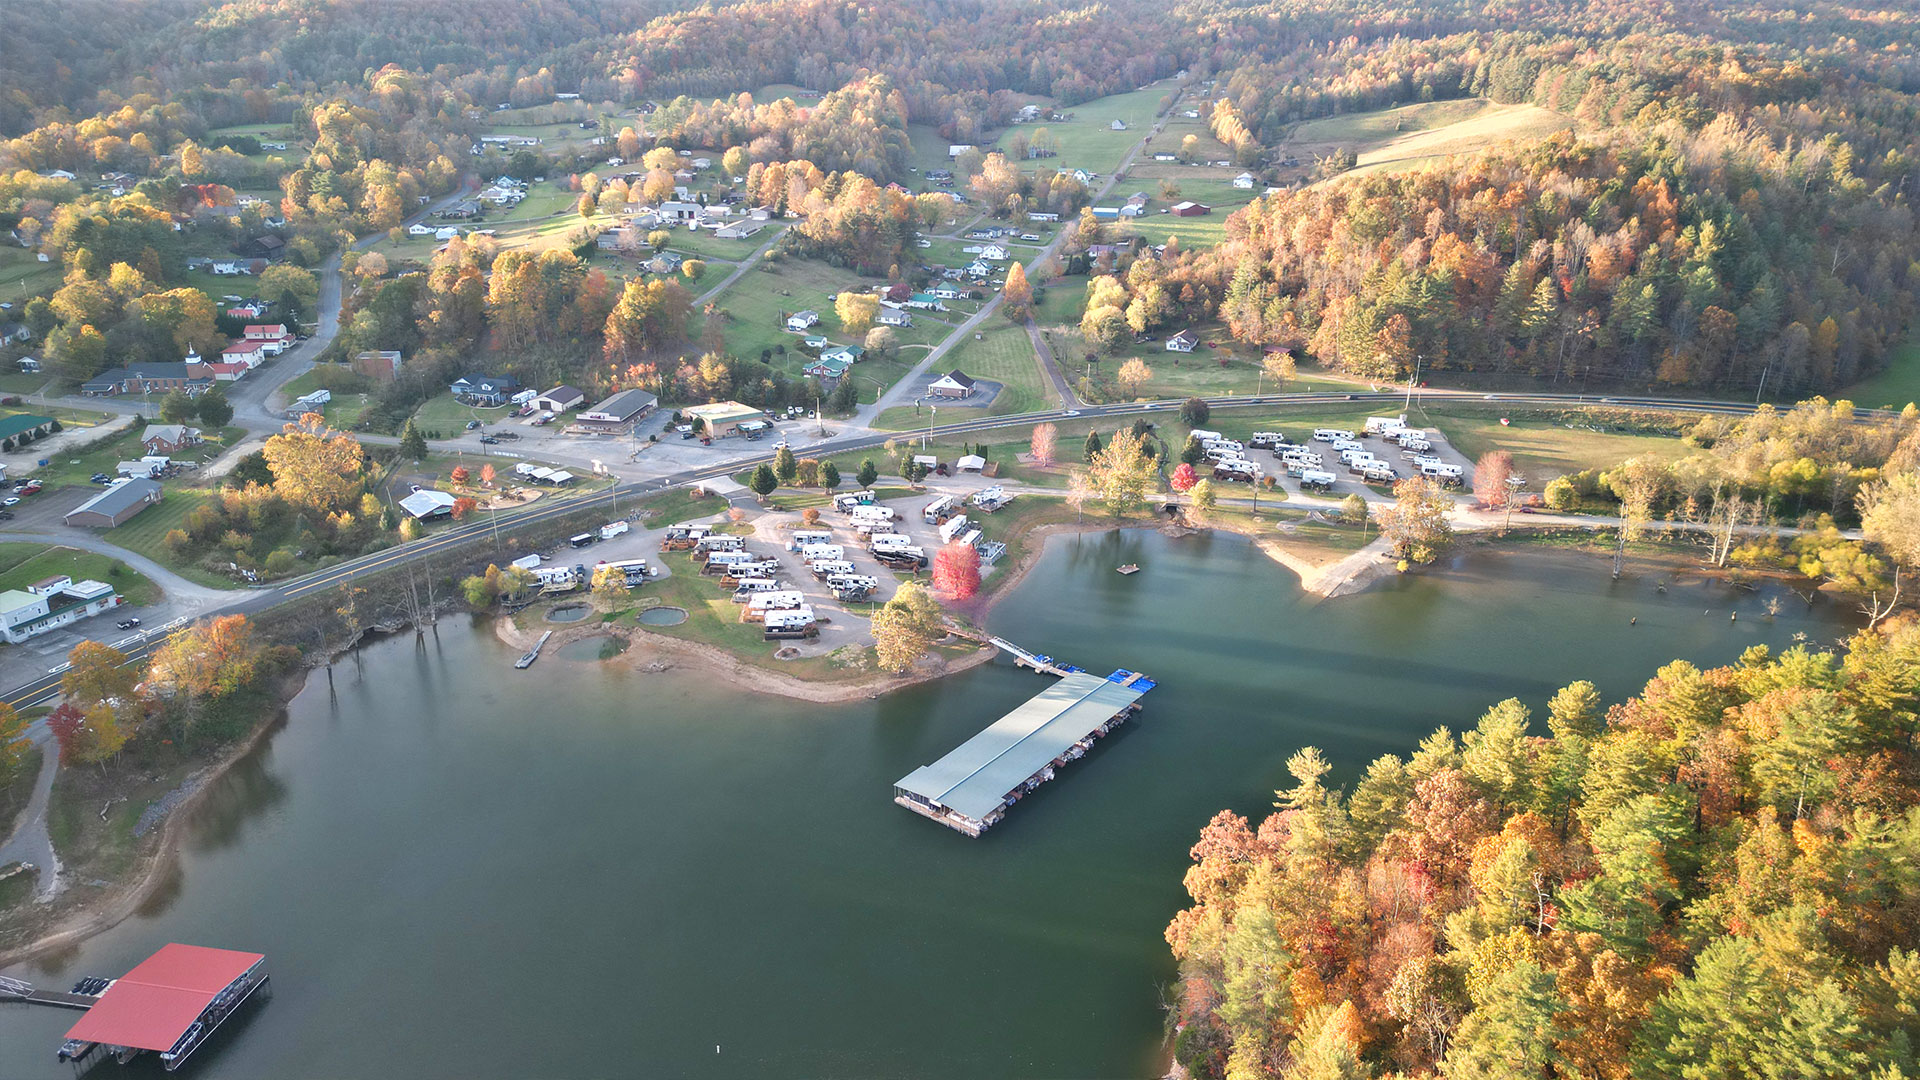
pixel 533 653
pixel 971 789
pixel 16 990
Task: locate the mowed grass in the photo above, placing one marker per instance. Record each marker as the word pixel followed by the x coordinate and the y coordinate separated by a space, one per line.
pixel 1394 140
pixel 23 275
pixel 146 533
pixel 441 417
pixel 1896 387
pixel 1088 141
pixel 23 564
pixel 1544 449
pixel 1003 354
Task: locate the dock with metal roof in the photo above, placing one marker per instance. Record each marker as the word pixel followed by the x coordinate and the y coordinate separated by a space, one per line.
pixel 972 787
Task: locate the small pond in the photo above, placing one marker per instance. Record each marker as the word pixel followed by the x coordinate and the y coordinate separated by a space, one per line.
pixel 663 616
pixel 597 647
pixel 569 613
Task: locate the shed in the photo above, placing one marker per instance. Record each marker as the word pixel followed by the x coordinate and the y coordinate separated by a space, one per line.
pixel 971 463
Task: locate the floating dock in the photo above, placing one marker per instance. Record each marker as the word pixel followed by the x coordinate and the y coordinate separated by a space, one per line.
pixel 971 789
pixel 170 1004
pixel 533 653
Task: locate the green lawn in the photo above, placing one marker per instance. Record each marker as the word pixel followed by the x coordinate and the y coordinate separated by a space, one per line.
pixel 23 275
pixel 1004 354
pixel 672 507
pixel 145 534
pixel 1543 449
pixel 23 564
pixel 703 244
pixel 441 417
pixel 69 468
pixel 1894 388
pixel 1381 125
pixel 17 383
pixel 345 409
pixel 1089 142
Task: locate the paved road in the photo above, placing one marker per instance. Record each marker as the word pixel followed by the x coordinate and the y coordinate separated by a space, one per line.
pixel 31 843
pixel 740 271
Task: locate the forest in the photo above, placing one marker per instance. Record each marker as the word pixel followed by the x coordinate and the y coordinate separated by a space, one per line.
pixel 1711 879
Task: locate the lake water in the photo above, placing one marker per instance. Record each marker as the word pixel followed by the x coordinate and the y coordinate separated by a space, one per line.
pixel 457 869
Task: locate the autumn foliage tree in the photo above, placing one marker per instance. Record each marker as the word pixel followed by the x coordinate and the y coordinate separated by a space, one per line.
pixel 905 627
pixel 1490 478
pixel 1016 297
pixel 1183 478
pixel 314 467
pixel 956 570
pixel 1043 445
pixel 202 663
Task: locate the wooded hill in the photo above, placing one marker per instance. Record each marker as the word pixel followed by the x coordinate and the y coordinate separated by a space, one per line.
pixel 1719 878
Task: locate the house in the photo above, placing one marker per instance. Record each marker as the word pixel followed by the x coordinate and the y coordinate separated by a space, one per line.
pixel 15 333
pixel 926 302
pixel 115 505
pixel 938 175
pixel 620 410
pixel 272 338
pixel 22 429
pixel 1191 209
pixel 801 321
pixel 955 150
pixel 666 262
pixel 724 418
pixel 426 504
pixel 380 365
pixel 898 293
pixel 850 354
pixel 560 399
pixel 461 211
pixel 169 438
pixel 249 353
pixel 739 230
pixel 1119 125
pixel 1036 215
pixel 1244 181
pixel 826 367
pixel 147 379
pixel 419 229
pixel 948 292
pixel 487 389
pixel 951 385
pixel 893 317
pixel 1027 114
pixel 47 605
pixel 266 247
pixel 994 253
pixel 702 164
pixel 58 174
pixel 1084 176
pixel 1138 198
pixel 1133 210
pixel 1184 341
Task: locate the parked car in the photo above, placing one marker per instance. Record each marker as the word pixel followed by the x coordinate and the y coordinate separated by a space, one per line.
pixel 488 439
pixel 11 500
pixel 100 478
pixel 32 488
pixel 473 425
pixel 127 624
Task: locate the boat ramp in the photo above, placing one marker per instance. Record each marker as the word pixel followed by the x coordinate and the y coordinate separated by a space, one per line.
pixel 533 654
pixel 971 789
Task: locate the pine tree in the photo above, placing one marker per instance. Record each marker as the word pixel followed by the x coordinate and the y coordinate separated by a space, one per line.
pixel 829 475
pixel 1512 1034
pixel 412 443
pixel 784 465
pixel 869 472
pixel 1093 445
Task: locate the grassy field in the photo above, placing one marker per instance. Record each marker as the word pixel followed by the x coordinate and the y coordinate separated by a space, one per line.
pixel 1089 142
pixel 23 275
pixel 1894 388
pixel 1393 140
pixel 145 534
pixel 672 507
pixel 343 412
pixel 1177 128
pixel 441 417
pixel 1004 354
pixel 703 244
pixel 70 468
pixel 1543 449
pixel 23 564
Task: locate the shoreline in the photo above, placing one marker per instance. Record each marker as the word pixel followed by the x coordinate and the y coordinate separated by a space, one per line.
pixel 646 647
pixel 122 899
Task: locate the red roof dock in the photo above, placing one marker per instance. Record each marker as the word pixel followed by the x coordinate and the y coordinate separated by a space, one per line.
pixel 171 1001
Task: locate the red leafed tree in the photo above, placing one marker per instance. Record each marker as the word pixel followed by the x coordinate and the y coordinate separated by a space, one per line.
pixel 464 506
pixel 956 571
pixel 486 475
pixel 1183 478
pixel 1042 446
pixel 460 474
pixel 65 723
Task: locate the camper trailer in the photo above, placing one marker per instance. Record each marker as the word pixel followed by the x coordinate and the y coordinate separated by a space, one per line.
pixel 953 527
pixel 827 569
pixel 747 588
pixel 802 537
pixel 1315 480
pixel 614 528
pixel 939 510
pixel 720 562
pixel 683 537
pixel 634 570
pixel 1328 435
pixel 818 552
pixel 791 623
pixel 720 542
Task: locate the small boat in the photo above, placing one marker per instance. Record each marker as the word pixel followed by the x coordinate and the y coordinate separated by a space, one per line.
pixel 1130 568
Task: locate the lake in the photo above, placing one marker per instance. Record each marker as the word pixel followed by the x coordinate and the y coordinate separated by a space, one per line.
pixel 457 869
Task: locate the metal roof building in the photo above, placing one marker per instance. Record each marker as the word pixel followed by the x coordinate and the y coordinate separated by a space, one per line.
pixel 978 779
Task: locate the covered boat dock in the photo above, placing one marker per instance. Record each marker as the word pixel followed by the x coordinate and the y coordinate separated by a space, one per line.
pixel 971 788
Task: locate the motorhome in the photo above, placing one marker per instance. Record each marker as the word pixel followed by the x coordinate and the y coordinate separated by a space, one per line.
pixel 683 537
pixel 852 586
pixel 863 514
pixel 847 502
pixel 634 570
pixel 1203 434
pixel 582 540
pixel 720 542
pixel 746 588
pixel 1239 469
pixel 939 510
pixel 1384 425
pixel 1379 472
pixel 794 623
pixel 892 541
pixel 1417 444
pixel 721 561
pixel 910 558
pixel 1317 480
pixel 1266 440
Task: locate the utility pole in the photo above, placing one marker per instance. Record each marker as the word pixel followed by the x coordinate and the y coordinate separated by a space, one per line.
pixel 1408 407
pixel 932 411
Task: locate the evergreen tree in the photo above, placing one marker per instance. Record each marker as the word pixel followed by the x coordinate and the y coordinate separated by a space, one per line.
pixel 829 475
pixel 869 472
pixel 763 483
pixel 1093 445
pixel 412 443
pixel 1193 453
pixel 784 465
pixel 1512 1034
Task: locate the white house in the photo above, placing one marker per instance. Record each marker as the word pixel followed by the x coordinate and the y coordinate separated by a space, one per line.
pixel 994 253
pixel 447 232
pixel 953 384
pixel 50 604
pixel 954 150
pixel 1184 341
pixel 801 321
pixel 420 228
pixel 680 211
pixel 893 317
pixel 1244 181
pixel 1119 125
